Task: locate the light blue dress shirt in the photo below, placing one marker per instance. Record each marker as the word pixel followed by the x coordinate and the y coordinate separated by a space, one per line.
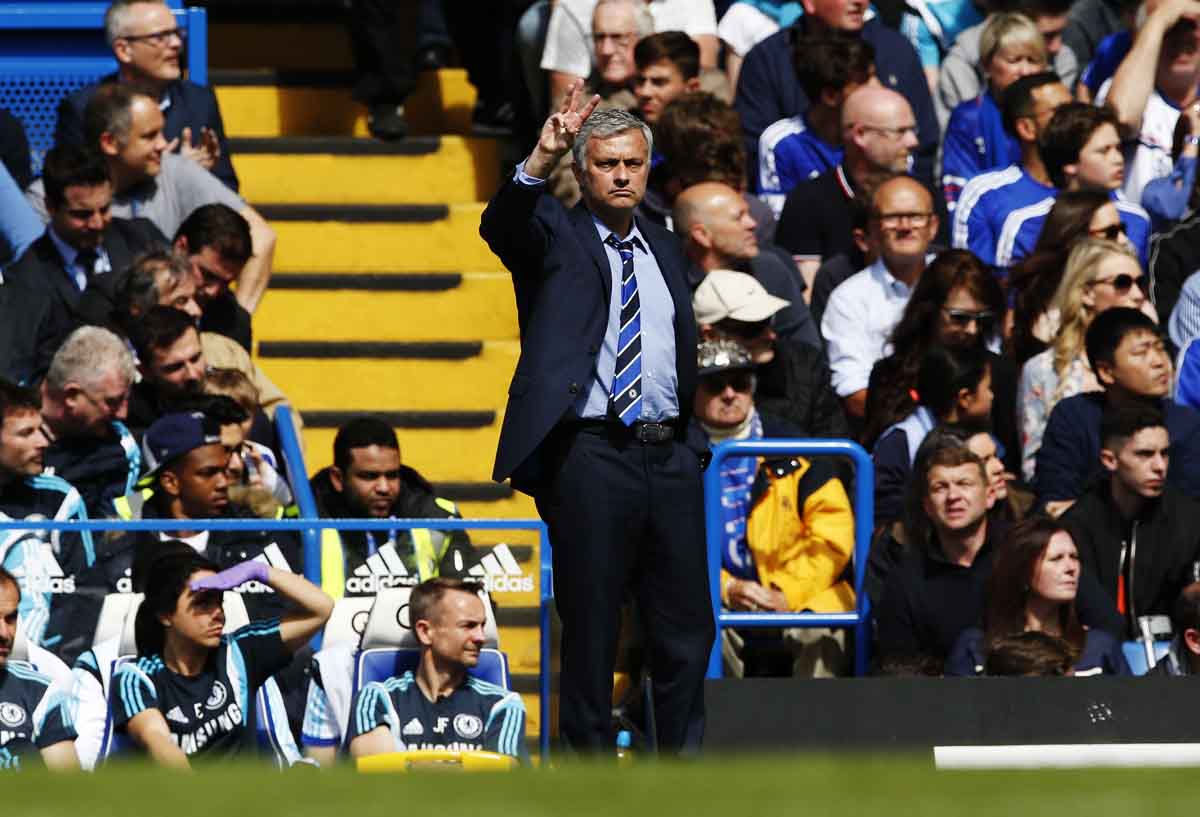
pixel 75 271
pixel 659 383
pixel 19 223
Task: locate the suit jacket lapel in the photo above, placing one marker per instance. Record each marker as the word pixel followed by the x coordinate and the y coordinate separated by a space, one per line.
pixel 55 269
pixel 585 229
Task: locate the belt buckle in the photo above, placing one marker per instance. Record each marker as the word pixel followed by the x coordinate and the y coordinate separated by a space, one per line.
pixel 652 432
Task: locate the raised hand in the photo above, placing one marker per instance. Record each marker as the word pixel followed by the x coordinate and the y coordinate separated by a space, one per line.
pixel 559 132
pixel 204 152
pixel 233 577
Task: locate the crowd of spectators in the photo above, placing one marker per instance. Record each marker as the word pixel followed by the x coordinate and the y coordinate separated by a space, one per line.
pixel 958 234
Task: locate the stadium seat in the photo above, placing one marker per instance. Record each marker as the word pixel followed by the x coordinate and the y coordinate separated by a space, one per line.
pixel 390 662
pixel 388 624
pixel 41 659
pixel 1135 655
pixel 348 622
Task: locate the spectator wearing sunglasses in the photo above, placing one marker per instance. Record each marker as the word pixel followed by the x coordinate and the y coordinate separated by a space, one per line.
pixel 1076 214
pixel 789 528
pixel 957 304
pixel 1126 351
pixel 1100 275
pixel 954 387
pixel 793 380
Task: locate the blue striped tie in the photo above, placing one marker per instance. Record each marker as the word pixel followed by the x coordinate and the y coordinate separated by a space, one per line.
pixel 626 391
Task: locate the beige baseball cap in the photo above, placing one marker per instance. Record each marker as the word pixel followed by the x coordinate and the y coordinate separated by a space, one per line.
pixel 727 294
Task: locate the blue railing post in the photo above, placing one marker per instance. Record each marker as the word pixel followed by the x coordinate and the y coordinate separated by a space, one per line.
pixel 293 458
pixel 864 524
pixel 196 24
pixel 546 592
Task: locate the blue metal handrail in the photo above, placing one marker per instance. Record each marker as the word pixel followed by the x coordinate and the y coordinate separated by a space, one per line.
pixel 297 477
pixel 864 523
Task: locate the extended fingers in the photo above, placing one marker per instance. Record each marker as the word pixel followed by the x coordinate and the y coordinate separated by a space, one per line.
pixel 587 110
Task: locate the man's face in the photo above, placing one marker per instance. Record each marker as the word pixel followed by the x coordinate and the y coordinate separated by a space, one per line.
pixel 1052 27
pixel 842 15
pixel 180 368
pixel 454 632
pixel 1046 100
pixel 10 600
pixel 724 399
pixel 613 178
pixel 1101 164
pixel 658 85
pixel 903 223
pixel 1141 463
pixel 181 294
pixel 614 35
pixel 141 154
pixel 200 480
pixel 84 215
pixel 1140 366
pixel 731 228
pixel 90 409
pixel 213 272
pixel 888 137
pixel 371 483
pixel 956 498
pixel 22 443
pixel 1180 55
pixel 152 43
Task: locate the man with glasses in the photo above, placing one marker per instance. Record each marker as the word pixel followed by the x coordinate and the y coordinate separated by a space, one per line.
pixel 864 309
pixel 149 45
pixel 84 247
pixel 793 380
pixel 85 398
pixel 788 526
pixel 879 136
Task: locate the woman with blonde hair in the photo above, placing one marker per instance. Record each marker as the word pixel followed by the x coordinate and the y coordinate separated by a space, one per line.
pixel 976 140
pixel 1100 274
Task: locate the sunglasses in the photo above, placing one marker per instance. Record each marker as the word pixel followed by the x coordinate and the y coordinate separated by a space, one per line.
pixel 743 329
pixel 964 317
pixel 738 381
pixel 1112 232
pixel 1124 282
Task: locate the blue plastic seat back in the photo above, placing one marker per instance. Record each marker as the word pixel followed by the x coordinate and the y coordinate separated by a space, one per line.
pixel 1135 655
pixel 388 662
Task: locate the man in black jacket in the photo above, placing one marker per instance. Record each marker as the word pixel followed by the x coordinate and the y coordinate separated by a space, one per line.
pixel 148 45
pixel 367 480
pixel 216 241
pixel 793 380
pixel 83 247
pixel 1138 537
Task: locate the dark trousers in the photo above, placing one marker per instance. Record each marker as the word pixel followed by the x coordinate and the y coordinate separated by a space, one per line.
pixel 383 70
pixel 627 515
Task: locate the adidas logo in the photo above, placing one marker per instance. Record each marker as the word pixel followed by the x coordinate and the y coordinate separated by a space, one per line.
pixel 39 570
pixel 176 715
pixel 383 569
pixel 271 556
pixel 413 727
pixel 500 572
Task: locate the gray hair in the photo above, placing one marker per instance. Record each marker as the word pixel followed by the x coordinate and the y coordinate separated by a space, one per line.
pixel 89 353
pixel 116 19
pixel 643 22
pixel 141 289
pixel 605 123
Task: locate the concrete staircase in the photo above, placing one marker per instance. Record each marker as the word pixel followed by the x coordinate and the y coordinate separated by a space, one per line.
pixel 384 298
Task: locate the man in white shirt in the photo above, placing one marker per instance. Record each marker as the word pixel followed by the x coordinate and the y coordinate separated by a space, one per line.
pixel 865 308
pixel 571 42
pixel 1155 81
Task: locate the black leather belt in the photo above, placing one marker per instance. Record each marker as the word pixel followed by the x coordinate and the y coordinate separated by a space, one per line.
pixel 642 432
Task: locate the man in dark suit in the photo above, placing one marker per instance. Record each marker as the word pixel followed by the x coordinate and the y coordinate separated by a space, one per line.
pixel 597 415
pixel 148 44
pixel 84 247
pixel 216 240
pixel 31 330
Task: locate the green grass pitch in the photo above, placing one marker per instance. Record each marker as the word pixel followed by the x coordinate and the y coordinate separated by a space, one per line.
pixel 773 786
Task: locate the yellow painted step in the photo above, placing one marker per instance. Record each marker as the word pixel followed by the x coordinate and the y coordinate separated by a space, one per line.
pixel 460 170
pixel 441 104
pixel 447 245
pixel 476 383
pixel 518 506
pixel 481 307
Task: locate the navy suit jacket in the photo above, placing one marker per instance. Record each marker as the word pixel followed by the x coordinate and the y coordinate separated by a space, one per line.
pixel 563 285
pixel 192 106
